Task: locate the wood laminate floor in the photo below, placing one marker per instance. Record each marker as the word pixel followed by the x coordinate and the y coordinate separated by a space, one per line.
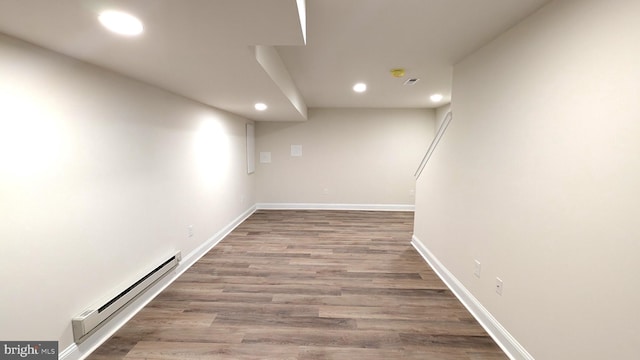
pixel 307 285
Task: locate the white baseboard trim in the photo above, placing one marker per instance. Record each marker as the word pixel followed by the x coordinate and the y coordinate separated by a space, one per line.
pixel 500 335
pixel 199 252
pixel 320 206
pixel 81 351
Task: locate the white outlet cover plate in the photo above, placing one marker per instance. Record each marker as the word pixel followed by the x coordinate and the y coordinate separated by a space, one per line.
pixel 499 286
pixel 296 150
pixel 265 157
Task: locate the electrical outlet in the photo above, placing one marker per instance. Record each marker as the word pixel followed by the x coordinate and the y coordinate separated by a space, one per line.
pixel 190 230
pixel 412 192
pixel 325 191
pixel 499 286
pixel 476 269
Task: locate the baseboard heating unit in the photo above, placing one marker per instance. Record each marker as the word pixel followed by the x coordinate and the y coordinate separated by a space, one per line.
pixel 85 323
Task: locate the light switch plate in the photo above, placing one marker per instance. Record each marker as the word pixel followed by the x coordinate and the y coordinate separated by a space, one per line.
pixel 296 150
pixel 265 157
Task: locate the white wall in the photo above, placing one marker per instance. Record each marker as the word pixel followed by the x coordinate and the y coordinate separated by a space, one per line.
pixel 537 178
pixel 100 176
pixel 441 114
pixel 360 156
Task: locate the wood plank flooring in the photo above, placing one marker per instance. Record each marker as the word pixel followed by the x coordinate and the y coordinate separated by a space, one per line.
pixel 307 285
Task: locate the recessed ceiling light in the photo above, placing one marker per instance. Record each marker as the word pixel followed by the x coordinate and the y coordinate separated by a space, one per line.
pixel 360 87
pixel 436 97
pixel 260 106
pixel 121 22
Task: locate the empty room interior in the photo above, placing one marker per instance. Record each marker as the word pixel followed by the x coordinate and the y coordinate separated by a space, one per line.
pixel 320 179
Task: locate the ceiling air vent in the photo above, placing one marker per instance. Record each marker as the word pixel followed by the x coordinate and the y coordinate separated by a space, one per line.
pixel 411 81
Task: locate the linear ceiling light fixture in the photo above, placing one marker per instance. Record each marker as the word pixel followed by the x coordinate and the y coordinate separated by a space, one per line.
pixel 121 23
pixel 260 106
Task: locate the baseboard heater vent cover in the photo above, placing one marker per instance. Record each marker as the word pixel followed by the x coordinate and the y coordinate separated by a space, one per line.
pixel 89 321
